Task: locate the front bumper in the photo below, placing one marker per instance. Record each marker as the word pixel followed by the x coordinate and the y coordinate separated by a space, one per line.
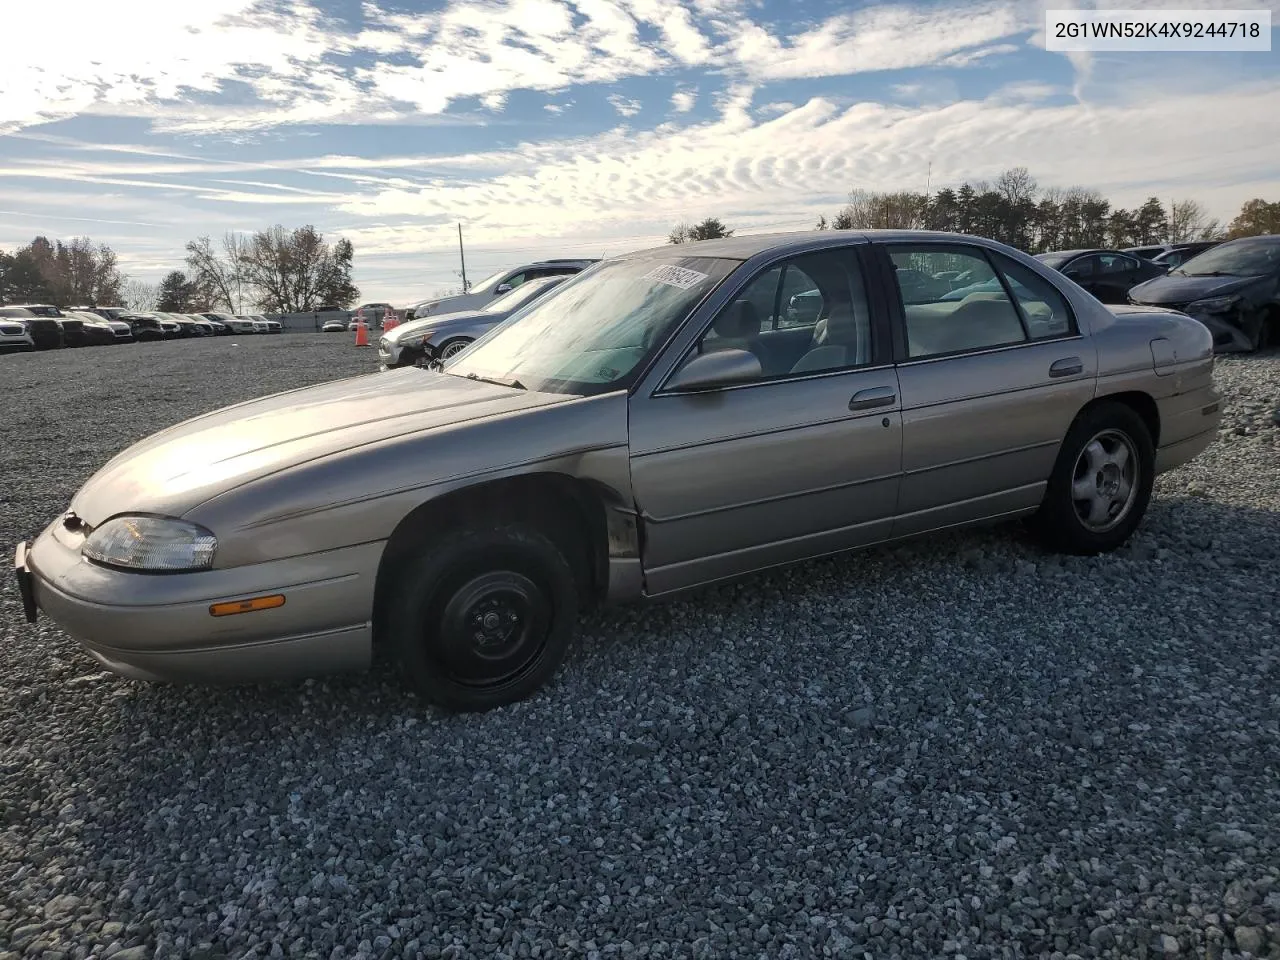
pixel 392 354
pixel 16 341
pixel 159 626
pixel 1234 331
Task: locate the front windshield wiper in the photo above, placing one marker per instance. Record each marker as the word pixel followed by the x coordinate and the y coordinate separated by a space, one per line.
pixel 498 380
pixel 1213 273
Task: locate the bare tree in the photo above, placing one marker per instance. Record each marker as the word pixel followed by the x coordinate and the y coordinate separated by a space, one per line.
pixel 139 296
pixel 294 271
pixel 218 277
pixel 1189 221
pixel 1016 186
pixel 873 211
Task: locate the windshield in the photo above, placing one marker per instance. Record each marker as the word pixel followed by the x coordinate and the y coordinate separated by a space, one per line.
pixel 486 284
pixel 598 330
pixel 521 294
pixel 1243 258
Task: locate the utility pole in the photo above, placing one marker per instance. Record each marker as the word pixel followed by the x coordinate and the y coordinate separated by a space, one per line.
pixel 463 257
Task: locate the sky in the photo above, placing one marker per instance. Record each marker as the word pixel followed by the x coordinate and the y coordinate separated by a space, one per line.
pixel 581 127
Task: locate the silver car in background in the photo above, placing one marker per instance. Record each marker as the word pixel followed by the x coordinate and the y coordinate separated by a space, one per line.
pixel 492 287
pixel 657 424
pixel 14 335
pixel 439 338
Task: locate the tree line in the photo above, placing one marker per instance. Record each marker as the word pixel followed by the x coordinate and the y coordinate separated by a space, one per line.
pixel 51 271
pixel 275 271
pixel 1016 210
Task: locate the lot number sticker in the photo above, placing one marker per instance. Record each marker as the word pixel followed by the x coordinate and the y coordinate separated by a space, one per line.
pixel 675 276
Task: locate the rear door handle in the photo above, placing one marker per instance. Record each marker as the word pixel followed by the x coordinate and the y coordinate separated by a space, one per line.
pixel 1066 367
pixel 873 397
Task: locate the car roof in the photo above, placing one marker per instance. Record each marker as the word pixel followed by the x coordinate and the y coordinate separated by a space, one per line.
pixel 1077 253
pixel 748 246
pixel 1261 238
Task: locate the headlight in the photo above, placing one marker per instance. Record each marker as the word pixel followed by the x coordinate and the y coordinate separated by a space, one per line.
pixel 151 543
pixel 1213 304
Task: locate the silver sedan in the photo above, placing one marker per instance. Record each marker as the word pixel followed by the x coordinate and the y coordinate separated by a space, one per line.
pixel 663 421
pixel 439 338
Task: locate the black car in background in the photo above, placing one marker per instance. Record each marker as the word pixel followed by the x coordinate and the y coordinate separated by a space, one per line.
pixel 1161 252
pixel 1233 289
pixel 148 326
pixel 1108 274
pixel 1179 254
pixel 93 330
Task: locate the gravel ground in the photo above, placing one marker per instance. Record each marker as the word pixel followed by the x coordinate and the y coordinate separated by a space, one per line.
pixel 960 748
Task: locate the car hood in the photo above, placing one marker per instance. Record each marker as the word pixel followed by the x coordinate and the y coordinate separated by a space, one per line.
pixel 179 468
pixel 414 328
pixel 1175 288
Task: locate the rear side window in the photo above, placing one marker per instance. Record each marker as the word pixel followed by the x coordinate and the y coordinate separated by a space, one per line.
pixel 942 318
pixel 1044 310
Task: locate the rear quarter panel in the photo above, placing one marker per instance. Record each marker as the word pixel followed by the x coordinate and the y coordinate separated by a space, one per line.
pixel 1168 356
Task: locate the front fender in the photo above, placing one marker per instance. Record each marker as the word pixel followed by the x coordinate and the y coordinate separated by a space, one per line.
pixel 361 495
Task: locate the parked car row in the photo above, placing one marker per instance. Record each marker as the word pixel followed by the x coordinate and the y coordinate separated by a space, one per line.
pixel 42 326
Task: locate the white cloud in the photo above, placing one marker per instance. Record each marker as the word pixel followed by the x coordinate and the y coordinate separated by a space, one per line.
pixel 682 101
pixel 794 163
pixel 625 106
pixel 103 59
pixel 877 38
pixel 299 68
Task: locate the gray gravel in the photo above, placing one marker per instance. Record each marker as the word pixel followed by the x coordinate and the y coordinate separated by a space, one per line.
pixel 961 748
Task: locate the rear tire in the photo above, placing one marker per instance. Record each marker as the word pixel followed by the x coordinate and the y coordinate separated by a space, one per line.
pixel 1101 483
pixel 484 617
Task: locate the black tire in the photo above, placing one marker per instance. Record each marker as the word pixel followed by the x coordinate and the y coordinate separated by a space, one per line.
pixel 1061 521
pixel 472 578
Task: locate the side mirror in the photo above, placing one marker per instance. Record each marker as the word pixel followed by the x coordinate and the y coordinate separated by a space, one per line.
pixel 502 288
pixel 718 369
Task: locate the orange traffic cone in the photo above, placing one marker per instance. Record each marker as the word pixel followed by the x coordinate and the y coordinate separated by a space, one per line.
pixel 362 334
pixel 390 321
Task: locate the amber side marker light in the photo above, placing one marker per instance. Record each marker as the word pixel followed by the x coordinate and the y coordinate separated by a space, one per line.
pixel 247 606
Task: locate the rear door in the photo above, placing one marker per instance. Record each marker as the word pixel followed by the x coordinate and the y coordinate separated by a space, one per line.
pixel 1086 272
pixel 990 384
pixel 1118 274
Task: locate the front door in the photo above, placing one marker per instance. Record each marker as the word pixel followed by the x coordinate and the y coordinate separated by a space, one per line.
pixel 991 380
pixel 802 460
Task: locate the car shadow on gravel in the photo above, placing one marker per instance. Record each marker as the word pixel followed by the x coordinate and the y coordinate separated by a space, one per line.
pixel 1191 543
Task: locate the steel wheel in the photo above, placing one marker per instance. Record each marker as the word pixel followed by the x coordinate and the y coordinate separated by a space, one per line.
pixel 492 628
pixel 1104 483
pixel 483 615
pixel 454 348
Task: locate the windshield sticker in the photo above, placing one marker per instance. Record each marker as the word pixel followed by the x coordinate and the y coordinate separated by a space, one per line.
pixel 675 276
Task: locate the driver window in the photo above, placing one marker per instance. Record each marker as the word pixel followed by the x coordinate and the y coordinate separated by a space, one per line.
pixel 808 314
pixel 516 280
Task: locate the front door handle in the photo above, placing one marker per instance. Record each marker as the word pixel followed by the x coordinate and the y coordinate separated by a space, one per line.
pixel 873 397
pixel 1066 367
